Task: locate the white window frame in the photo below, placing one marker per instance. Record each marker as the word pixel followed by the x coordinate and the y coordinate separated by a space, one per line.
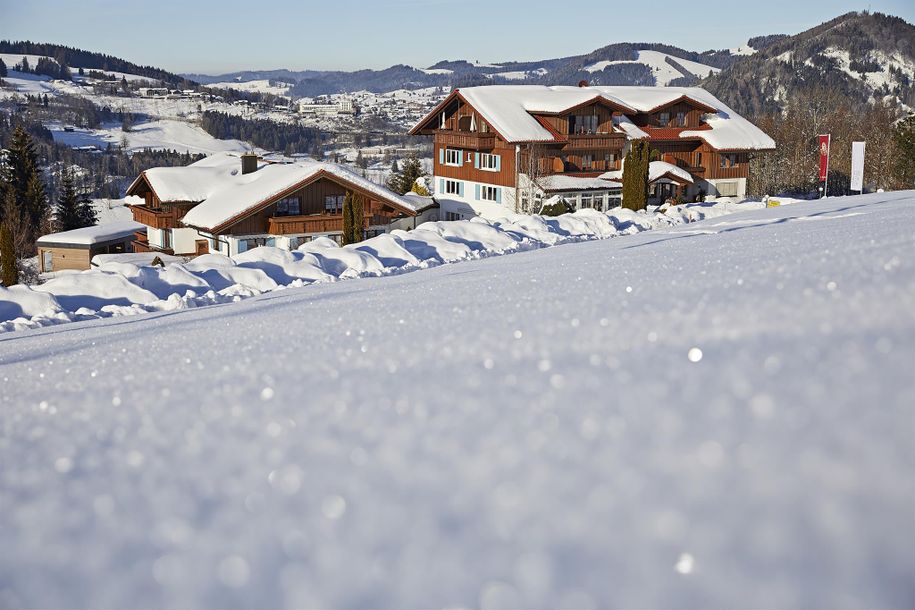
pixel 489 193
pixel 452 187
pixel 489 162
pixel 454 157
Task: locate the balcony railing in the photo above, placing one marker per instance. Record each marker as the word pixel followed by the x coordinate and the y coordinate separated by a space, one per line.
pixel 594 141
pixel 466 139
pixel 155 218
pixel 318 223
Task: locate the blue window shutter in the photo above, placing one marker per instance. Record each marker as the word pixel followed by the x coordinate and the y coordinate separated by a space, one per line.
pixel 441 156
pixel 498 195
pixel 461 189
pixel 441 186
pixel 476 160
pixel 476 192
pixel 498 163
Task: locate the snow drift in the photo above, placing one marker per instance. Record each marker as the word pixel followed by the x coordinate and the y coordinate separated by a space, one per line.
pixel 119 289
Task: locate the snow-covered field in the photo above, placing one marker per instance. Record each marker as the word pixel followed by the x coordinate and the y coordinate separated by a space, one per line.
pixel 165 134
pixel 717 414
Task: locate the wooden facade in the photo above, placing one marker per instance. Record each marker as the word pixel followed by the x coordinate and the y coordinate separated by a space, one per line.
pixel 313 206
pixel 586 142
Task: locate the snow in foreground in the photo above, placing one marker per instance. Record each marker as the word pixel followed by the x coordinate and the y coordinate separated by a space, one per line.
pixel 713 415
pixel 128 289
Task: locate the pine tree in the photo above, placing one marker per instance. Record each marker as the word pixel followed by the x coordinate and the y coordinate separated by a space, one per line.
pixel 36 207
pixel 22 161
pixel 9 270
pixel 3 72
pixel 347 218
pixel 635 176
pixel 68 212
pixel 358 219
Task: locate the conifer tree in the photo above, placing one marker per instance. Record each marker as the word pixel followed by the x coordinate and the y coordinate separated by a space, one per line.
pixel 358 219
pixel 36 207
pixel 9 270
pixel 635 176
pixel 3 72
pixel 67 211
pixel 347 218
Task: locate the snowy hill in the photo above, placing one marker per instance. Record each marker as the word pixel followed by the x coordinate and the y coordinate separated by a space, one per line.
pixel 716 413
pixel 865 56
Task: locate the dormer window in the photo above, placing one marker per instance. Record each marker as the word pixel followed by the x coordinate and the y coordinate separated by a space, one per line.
pixel 583 124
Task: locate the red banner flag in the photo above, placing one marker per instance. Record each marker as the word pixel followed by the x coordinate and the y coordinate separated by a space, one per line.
pixel 824 156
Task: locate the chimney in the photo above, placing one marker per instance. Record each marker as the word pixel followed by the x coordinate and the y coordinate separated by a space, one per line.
pixel 248 163
pixel 583 83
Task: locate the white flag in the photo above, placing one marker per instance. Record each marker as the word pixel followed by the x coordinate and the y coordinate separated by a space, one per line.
pixel 857 166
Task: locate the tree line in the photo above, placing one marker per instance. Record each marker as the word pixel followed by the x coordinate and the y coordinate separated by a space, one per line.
pixel 288 138
pixel 793 167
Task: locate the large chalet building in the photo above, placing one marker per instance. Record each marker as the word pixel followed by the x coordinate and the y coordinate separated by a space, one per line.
pixel 497 148
pixel 228 203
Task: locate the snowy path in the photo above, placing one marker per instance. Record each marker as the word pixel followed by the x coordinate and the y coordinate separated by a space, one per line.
pixel 520 431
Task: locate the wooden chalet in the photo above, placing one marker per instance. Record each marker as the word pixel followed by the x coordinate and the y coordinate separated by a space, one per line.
pixel 496 145
pixel 230 204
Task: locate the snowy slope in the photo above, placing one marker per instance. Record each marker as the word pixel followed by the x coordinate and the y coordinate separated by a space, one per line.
pixel 715 416
pixel 663 72
pixel 164 134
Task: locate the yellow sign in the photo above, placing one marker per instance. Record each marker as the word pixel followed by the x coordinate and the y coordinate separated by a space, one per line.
pixel 773 203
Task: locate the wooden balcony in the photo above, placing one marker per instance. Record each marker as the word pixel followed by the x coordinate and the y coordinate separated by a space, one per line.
pixel 293 225
pixel 596 141
pixel 317 223
pixel 466 139
pixel 154 217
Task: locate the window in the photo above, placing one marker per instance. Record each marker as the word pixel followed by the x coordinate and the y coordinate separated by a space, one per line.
pixel 587 200
pixel 289 206
pixel 333 204
pixel 166 239
pixel 452 216
pixel 728 159
pixel 610 157
pixel 489 162
pixel 698 159
pixel 452 187
pixel 489 193
pixel 254 242
pixel 583 124
pixel 727 189
pixel 453 157
pixel 587 161
pixel 681 119
pixel 664 119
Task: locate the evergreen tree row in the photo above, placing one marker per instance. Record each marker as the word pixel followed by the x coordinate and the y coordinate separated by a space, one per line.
pixel 270 135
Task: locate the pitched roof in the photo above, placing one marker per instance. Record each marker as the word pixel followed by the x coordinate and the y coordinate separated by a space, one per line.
pixel 510 110
pixel 224 194
pixel 96 234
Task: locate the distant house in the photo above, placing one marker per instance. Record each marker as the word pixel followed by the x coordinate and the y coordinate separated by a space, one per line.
pixel 228 203
pixel 75 249
pixel 499 146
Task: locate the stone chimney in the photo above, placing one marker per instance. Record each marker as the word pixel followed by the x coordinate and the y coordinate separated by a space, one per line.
pixel 248 163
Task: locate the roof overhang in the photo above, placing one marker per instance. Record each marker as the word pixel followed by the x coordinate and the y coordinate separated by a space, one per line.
pixel 257 207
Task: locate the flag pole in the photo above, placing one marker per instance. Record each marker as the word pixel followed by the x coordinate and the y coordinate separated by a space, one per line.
pixel 828 154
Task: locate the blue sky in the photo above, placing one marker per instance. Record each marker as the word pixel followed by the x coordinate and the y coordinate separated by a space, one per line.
pixel 226 35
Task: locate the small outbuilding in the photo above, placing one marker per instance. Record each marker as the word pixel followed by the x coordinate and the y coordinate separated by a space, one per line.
pixel 75 249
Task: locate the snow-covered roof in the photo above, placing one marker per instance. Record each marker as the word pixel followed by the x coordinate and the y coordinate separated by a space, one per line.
pixel 225 194
pixel 97 234
pixel 564 182
pixel 222 192
pixel 656 170
pixel 510 108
